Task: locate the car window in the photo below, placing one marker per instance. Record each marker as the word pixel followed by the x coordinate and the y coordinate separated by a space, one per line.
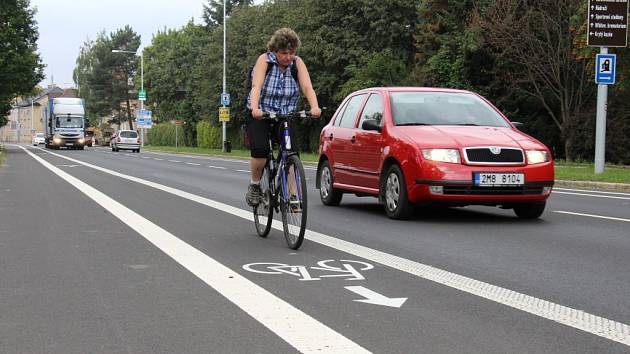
pixel 337 117
pixel 373 109
pixel 350 113
pixel 40 135
pixel 128 134
pixel 443 108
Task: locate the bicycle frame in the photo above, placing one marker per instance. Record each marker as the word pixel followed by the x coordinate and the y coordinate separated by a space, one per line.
pixel 277 175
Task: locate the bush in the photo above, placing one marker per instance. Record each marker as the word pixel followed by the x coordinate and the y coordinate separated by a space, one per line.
pixel 208 135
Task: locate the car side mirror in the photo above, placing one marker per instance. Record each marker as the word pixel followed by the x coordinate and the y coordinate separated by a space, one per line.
pixel 371 124
pixel 518 125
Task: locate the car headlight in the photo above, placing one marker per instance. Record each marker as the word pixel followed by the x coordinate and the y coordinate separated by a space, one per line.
pixel 536 156
pixel 443 155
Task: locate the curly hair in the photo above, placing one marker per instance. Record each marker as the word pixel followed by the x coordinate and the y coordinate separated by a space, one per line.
pixel 284 38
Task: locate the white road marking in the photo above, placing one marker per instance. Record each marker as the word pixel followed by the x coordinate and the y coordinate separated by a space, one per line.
pixel 218 167
pixel 246 171
pixel 594 195
pixel 372 297
pixel 592 215
pixel 193 164
pixel 176 161
pixel 600 326
pixel 158 159
pixel 297 328
pixel 590 191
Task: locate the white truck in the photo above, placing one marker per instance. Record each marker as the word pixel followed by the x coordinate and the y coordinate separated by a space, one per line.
pixel 64 122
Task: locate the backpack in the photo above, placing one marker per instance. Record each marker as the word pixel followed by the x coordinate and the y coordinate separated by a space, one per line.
pixel 248 82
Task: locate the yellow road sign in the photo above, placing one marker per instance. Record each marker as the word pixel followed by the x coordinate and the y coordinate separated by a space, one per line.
pixel 224 114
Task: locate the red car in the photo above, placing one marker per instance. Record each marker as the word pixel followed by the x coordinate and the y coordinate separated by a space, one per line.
pixel 417 146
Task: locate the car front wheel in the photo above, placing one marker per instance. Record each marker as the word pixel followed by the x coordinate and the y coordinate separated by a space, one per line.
pixel 530 211
pixel 397 205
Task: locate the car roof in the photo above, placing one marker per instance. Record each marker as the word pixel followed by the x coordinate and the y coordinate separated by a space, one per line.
pixel 414 89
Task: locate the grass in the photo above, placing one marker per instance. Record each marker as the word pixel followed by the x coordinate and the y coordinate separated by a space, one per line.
pixel 570 171
pixel 1 154
pixel 574 171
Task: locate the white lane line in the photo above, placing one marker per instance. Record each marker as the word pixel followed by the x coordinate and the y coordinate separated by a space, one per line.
pixel 247 171
pixel 591 215
pixel 218 167
pixel 193 164
pixel 600 326
pixel 176 161
pixel 158 159
pixel 594 195
pixel 145 157
pixel 589 191
pixel 297 328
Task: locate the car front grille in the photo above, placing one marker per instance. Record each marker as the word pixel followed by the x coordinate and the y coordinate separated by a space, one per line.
pixel 475 190
pixel 494 155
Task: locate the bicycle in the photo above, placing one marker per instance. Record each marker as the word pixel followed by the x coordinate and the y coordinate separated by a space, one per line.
pixel 283 186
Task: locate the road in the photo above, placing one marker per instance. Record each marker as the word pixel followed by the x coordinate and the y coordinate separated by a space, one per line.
pixel 107 252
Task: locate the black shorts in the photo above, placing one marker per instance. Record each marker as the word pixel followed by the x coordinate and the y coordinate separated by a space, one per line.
pixel 257 132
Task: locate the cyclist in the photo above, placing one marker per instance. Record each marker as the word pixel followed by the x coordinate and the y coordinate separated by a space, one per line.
pixel 274 89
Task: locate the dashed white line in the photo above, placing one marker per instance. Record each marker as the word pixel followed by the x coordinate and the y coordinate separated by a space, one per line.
pixel 176 161
pixel 193 164
pixel 246 171
pixel 592 215
pixel 158 159
pixel 218 167
pixel 600 326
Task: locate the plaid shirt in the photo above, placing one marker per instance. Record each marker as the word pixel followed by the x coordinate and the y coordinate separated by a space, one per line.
pixel 280 93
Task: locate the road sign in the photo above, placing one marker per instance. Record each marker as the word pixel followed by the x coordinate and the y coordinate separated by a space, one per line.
pixel 605 69
pixel 607 23
pixel 224 114
pixel 180 122
pixel 142 95
pixel 144 119
pixel 225 99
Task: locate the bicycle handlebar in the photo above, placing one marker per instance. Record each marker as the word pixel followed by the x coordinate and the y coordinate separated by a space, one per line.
pixel 299 114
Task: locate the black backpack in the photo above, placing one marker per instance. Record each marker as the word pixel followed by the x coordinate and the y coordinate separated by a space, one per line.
pixel 248 82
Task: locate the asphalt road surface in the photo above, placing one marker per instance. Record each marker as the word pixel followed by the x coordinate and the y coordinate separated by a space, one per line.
pixel 105 252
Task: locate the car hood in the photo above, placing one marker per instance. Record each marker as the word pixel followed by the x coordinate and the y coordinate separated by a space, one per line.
pixel 448 136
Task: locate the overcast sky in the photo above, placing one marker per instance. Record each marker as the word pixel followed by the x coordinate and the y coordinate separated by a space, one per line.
pixel 64 25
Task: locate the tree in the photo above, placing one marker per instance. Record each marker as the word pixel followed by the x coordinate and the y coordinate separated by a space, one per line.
pixel 213 12
pixel 539 38
pixel 21 67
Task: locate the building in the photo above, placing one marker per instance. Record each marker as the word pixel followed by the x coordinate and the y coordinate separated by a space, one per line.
pixel 26 116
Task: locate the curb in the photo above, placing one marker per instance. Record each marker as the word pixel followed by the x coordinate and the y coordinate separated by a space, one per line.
pixel 624 187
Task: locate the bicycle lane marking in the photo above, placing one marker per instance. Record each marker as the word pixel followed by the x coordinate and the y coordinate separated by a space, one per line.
pixel 584 321
pixel 297 328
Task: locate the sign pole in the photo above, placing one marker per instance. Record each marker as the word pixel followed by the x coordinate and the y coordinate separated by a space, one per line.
pixel 224 57
pixel 600 123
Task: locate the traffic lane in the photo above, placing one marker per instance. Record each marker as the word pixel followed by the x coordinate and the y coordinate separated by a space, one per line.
pixel 75 279
pixel 536 257
pixel 233 243
pixel 594 203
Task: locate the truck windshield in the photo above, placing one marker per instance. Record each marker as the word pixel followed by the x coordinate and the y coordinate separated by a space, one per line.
pixel 69 122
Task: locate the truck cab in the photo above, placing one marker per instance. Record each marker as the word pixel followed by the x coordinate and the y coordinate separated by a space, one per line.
pixel 64 123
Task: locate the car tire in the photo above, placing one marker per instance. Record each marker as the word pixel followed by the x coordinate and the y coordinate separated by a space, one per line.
pixel 394 191
pixel 530 210
pixel 328 195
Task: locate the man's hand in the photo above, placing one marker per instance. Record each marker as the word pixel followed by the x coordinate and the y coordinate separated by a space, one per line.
pixel 257 113
pixel 316 112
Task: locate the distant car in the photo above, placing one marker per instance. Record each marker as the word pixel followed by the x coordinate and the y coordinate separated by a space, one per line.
pixel 38 139
pixel 419 146
pixel 125 140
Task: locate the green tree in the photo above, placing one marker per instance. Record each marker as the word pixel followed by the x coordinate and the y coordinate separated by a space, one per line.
pixel 213 12
pixel 21 67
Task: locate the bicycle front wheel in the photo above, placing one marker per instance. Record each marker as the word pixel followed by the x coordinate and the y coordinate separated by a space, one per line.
pixel 294 202
pixel 263 212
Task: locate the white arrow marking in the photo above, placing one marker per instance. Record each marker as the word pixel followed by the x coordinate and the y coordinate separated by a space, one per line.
pixel 375 298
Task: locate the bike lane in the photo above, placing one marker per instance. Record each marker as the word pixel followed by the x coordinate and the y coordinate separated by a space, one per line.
pixel 355 296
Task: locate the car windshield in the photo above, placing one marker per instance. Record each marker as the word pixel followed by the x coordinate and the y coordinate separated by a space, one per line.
pixel 69 122
pixel 127 134
pixel 40 135
pixel 443 108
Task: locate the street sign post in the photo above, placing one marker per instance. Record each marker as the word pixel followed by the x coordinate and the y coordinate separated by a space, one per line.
pixel 607 27
pixel 225 99
pixel 142 95
pixel 607 23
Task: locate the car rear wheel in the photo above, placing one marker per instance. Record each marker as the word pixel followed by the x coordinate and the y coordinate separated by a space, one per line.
pixel 530 210
pixel 397 205
pixel 328 194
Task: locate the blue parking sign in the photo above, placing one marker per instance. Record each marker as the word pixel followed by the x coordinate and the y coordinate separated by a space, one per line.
pixel 605 69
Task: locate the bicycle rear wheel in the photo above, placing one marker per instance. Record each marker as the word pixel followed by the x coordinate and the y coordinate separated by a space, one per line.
pixel 294 202
pixel 263 212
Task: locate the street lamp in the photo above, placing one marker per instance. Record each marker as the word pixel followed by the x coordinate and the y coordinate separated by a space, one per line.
pixel 141 82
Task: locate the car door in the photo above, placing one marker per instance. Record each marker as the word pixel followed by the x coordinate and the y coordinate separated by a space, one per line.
pixel 366 146
pixel 340 137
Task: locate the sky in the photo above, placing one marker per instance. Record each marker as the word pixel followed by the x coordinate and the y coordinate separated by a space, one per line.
pixel 64 25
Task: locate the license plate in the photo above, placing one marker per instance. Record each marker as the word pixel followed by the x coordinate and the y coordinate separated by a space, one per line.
pixel 498 179
pixel 69 144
